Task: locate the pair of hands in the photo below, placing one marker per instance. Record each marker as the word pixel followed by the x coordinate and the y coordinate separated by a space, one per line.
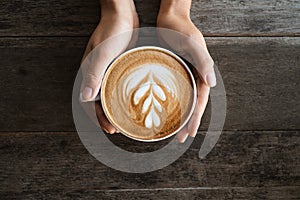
pixel 116 23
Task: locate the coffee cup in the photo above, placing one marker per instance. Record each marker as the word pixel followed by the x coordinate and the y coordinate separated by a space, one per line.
pixel 148 93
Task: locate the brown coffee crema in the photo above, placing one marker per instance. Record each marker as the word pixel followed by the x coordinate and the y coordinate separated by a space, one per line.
pixel 147 94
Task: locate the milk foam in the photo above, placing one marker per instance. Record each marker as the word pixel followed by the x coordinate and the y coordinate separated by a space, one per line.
pixel 147 94
pixel 149 81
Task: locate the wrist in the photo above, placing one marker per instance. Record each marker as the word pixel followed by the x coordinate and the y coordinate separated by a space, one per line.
pixel 175 7
pixel 116 7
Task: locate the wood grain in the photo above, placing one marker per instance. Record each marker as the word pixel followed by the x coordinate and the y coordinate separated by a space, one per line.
pixel 271 193
pixel 243 165
pixel 261 77
pixel 237 18
pixel 257 157
pixel 214 18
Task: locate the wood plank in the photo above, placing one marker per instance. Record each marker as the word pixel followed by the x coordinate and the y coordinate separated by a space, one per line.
pixel 261 77
pixel 261 164
pixel 217 17
pixel 236 18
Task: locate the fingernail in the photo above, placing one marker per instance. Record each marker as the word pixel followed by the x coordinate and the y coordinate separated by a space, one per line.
pixel 183 139
pixel 193 134
pixel 87 93
pixel 112 132
pixel 211 79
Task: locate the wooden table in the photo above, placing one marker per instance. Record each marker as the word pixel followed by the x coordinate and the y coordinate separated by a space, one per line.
pixel 256 45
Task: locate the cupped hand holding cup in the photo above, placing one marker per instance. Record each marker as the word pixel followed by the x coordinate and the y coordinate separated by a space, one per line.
pixel 149 98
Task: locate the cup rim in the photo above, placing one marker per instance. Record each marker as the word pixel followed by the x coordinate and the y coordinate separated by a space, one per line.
pixel 181 62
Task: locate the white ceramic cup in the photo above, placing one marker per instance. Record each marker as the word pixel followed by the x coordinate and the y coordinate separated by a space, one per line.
pixel 117 126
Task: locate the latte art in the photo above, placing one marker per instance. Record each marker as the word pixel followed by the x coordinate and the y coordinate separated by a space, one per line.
pixel 147 94
pixel 149 86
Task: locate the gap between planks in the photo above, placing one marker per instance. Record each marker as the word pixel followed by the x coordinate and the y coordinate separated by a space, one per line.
pixel 192 188
pixel 28 133
pixel 205 35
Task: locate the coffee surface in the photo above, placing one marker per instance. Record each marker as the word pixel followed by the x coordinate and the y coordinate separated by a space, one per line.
pixel 147 94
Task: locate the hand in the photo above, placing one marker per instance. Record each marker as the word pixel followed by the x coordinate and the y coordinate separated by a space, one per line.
pixel 174 15
pixel 115 33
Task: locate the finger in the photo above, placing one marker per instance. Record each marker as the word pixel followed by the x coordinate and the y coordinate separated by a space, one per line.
pixel 182 135
pixel 94 68
pixel 96 114
pixel 90 111
pixel 98 60
pixel 102 119
pixel 202 99
pixel 105 124
pixel 202 60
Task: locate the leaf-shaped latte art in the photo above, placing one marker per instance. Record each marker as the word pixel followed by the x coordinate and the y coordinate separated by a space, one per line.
pixel 147 88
